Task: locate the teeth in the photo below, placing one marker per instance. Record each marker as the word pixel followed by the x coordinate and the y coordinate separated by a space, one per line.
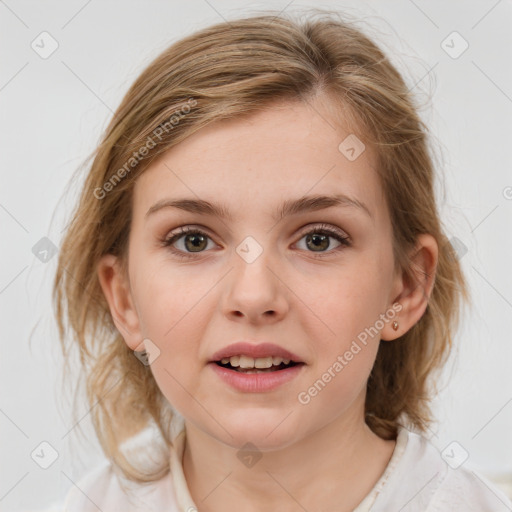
pixel 246 362
pixel 251 362
pixel 263 362
pixel 234 361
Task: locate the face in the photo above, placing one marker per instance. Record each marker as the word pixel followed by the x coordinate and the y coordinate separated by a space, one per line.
pixel 310 282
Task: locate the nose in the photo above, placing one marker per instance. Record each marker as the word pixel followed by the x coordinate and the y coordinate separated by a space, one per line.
pixel 255 290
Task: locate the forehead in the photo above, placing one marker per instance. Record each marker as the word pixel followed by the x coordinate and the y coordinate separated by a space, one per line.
pixel 288 150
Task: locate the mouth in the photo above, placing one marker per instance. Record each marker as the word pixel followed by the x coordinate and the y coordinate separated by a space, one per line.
pixel 251 365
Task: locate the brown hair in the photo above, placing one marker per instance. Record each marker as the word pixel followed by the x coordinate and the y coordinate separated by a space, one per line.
pixel 224 71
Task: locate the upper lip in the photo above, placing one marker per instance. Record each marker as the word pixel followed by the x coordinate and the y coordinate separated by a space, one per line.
pixel 255 350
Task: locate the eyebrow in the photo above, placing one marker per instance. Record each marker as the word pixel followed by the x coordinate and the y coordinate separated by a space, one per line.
pixel 289 207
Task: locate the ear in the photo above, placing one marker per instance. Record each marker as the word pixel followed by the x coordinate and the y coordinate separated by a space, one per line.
pixel 116 288
pixel 413 294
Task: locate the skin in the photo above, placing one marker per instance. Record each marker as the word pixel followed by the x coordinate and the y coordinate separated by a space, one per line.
pixel 318 456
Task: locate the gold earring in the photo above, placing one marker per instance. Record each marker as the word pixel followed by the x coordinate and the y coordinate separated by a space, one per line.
pixel 395 325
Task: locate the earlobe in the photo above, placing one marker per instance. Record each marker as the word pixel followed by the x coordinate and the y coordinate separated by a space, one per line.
pixel 114 284
pixel 393 328
pixel 416 288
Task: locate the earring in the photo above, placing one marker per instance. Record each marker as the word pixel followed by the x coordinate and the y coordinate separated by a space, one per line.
pixel 395 325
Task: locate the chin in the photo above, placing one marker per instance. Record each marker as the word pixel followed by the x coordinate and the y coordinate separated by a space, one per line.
pixel 262 427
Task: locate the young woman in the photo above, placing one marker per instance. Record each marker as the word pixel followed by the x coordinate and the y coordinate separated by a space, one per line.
pixel 260 286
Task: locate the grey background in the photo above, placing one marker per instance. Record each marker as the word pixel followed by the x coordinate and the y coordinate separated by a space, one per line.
pixel 54 110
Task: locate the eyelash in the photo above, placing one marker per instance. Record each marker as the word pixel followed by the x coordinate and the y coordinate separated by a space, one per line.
pixel 322 230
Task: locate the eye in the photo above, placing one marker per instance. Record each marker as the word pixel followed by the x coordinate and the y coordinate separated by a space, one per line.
pixel 318 238
pixel 194 241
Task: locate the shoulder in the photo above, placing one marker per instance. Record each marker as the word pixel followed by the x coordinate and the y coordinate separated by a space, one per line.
pixel 103 489
pixel 422 479
pixel 469 490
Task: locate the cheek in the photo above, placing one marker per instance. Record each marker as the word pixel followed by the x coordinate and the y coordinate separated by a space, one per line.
pixel 350 302
pixel 168 296
pixel 339 376
pixel 174 311
pixel 350 306
pixel 179 362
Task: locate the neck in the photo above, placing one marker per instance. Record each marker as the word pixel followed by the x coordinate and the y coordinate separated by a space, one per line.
pixel 330 469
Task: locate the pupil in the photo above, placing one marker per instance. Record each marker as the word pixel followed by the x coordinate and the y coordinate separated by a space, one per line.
pixel 198 239
pixel 319 241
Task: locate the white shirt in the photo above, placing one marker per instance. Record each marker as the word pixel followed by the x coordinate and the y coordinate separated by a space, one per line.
pixel 416 479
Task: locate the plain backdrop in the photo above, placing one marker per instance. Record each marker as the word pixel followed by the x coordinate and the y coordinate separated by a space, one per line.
pixel 53 110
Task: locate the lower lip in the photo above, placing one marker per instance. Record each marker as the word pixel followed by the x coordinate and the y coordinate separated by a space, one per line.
pixel 256 382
